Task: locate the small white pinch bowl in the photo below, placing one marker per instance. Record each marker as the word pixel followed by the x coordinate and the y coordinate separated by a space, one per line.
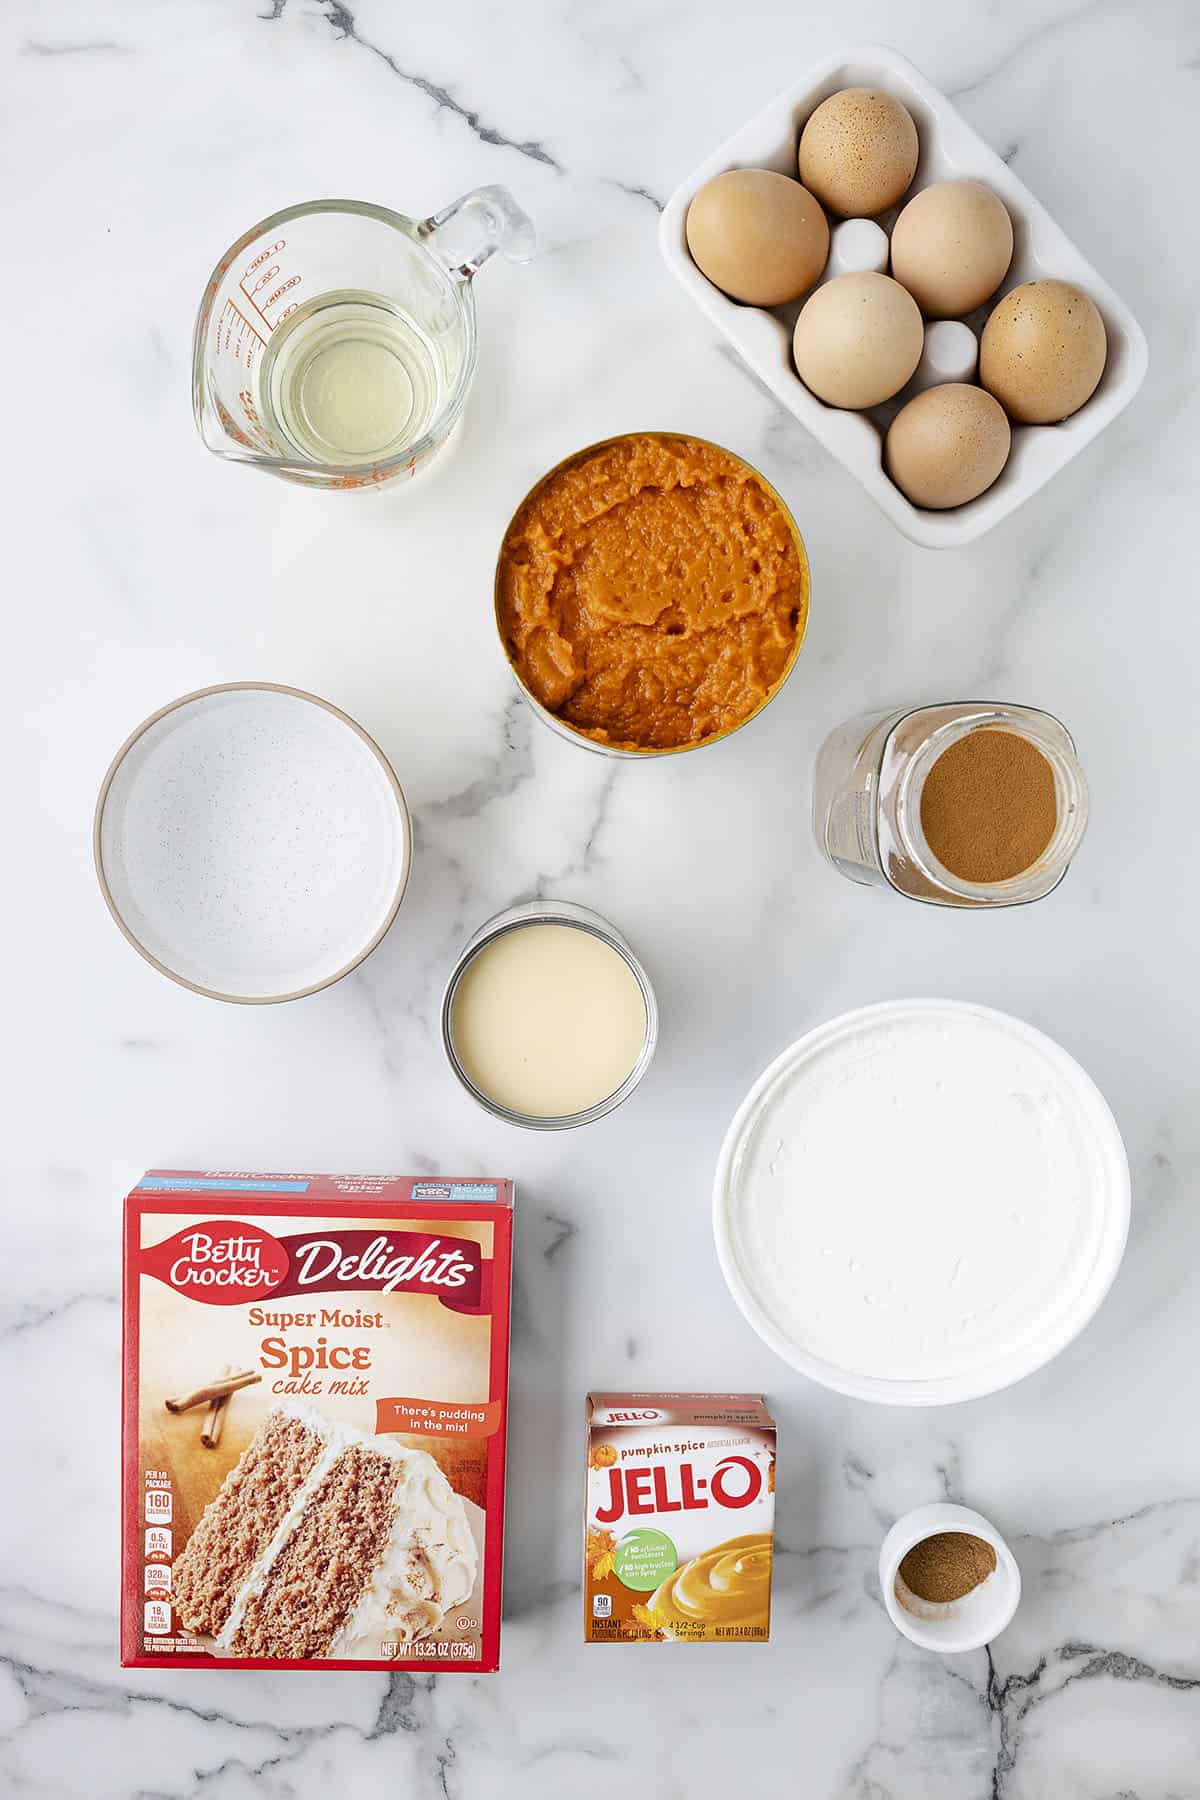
pixel 950 150
pixel 958 1625
pixel 252 842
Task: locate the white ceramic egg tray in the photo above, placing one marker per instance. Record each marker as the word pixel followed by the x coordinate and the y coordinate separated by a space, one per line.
pixel 949 150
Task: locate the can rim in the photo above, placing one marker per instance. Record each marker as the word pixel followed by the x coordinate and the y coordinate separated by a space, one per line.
pixel 582 738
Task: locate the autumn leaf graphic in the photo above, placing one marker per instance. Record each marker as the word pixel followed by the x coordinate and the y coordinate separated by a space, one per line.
pixel 599 1553
pixel 648 1625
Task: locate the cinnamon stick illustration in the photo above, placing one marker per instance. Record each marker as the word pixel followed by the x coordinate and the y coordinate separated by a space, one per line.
pixel 214 1418
pixel 219 1389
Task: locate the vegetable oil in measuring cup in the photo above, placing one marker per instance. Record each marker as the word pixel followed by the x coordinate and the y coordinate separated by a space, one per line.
pixel 349 378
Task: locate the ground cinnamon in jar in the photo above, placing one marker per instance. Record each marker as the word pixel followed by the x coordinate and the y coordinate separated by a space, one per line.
pixel 946 1566
pixel 988 806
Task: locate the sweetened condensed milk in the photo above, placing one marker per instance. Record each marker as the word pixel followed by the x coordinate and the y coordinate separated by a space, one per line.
pixel 547 1020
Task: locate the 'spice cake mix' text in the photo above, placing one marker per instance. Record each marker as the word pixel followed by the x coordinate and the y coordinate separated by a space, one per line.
pixel 315 1383
pixel 679 1520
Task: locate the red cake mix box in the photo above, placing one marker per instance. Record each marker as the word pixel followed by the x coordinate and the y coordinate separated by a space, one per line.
pixel 314 1400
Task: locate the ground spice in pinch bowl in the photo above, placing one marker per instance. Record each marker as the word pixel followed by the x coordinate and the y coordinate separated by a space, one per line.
pixel 942 1568
pixel 949 1581
pixel 651 594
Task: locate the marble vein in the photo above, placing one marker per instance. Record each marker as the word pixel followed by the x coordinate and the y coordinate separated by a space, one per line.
pixel 641 193
pixel 342 21
pixel 1049 28
pixel 92 47
pixel 32 1316
pixel 563 1231
pixel 582 861
pixel 504 774
pixel 1014 1698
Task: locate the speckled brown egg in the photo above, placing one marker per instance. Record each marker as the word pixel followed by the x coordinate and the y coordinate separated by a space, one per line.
pixel 758 236
pixel 951 247
pixel 857 340
pixel 1043 351
pixel 947 446
pixel 858 152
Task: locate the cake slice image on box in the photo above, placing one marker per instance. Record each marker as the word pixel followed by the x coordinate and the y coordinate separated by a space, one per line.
pixel 324 1542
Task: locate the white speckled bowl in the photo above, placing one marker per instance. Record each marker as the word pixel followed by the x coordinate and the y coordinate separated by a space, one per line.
pixel 252 842
pixel 950 150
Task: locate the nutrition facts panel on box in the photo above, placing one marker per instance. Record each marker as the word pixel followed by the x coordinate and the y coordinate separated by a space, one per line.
pixel 157 1568
pixel 160 1505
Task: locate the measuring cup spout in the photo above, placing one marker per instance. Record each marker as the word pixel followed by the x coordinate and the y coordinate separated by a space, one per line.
pixel 464 234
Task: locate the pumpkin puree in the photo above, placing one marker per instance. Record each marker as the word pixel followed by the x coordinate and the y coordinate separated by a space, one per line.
pixel 651 592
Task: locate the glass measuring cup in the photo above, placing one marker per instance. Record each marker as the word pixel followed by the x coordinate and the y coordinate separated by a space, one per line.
pixel 336 341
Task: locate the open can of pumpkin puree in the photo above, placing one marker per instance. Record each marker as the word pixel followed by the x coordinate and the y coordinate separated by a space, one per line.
pixel 651 594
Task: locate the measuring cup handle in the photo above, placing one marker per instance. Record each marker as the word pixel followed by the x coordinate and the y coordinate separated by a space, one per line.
pixel 465 233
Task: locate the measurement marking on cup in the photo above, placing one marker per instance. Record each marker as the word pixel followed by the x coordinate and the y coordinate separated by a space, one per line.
pixel 254 303
pixel 282 289
pixel 236 336
pixel 264 255
pixel 235 308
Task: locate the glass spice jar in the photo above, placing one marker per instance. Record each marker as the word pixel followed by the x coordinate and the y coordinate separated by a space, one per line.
pixel 869 784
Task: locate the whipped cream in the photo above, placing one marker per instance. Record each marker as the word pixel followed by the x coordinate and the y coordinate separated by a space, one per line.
pixel 923 1191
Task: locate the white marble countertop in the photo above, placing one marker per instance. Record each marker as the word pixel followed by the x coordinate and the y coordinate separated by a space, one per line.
pixel 141 138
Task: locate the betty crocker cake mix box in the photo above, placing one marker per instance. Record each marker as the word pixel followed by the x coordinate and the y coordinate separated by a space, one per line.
pixel 680 1516
pixel 314 1398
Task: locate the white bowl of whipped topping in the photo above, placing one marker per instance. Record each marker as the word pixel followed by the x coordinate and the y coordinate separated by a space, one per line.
pixel 921 1202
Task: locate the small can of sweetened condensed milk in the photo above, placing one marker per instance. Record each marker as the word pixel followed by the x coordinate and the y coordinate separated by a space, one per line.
pixel 549 1020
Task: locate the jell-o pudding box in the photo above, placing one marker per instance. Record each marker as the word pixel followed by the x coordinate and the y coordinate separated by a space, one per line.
pixel 679 1520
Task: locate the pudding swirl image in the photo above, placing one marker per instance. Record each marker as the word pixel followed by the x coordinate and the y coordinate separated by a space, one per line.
pixel 723 1591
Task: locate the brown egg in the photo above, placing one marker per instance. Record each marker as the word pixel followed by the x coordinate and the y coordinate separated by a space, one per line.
pixel 758 236
pixel 947 446
pixel 858 152
pixel 857 340
pixel 951 247
pixel 1043 351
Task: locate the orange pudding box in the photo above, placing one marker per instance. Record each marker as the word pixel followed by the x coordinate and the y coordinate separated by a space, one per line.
pixel 679 1521
pixel 315 1379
